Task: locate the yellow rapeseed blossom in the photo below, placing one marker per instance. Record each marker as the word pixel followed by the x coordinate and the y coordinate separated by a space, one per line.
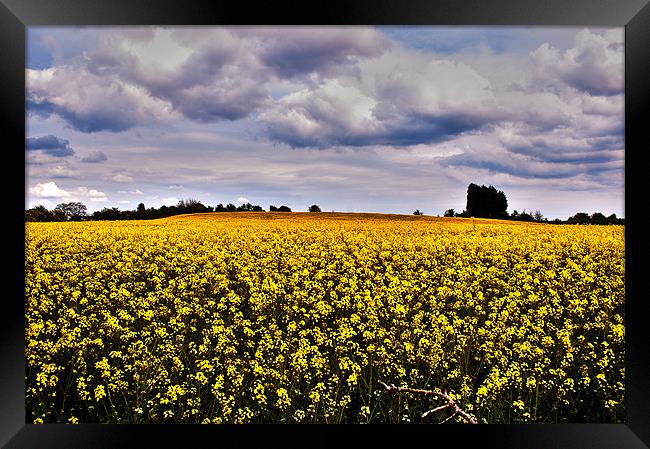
pixel 260 317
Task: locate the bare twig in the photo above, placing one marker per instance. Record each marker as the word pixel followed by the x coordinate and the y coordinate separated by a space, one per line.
pixel 449 402
pixel 451 416
pixel 437 409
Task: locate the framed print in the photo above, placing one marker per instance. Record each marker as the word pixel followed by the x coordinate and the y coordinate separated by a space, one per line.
pixel 423 220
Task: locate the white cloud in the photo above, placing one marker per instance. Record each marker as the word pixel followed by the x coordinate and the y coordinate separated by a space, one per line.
pixel 170 201
pixel 47 190
pixel 62 171
pixel 242 199
pixel 94 157
pixel 90 194
pixel 51 169
pixel 593 65
pixel 121 178
pixel 604 105
pixel 52 190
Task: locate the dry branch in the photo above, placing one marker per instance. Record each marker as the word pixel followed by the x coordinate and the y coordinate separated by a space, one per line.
pixel 449 402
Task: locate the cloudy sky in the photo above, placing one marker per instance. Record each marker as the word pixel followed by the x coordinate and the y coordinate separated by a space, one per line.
pixel 385 119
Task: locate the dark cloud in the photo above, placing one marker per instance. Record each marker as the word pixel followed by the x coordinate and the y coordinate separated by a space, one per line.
pixel 578 143
pixel 399 132
pixel 94 157
pixel 224 76
pixel 400 99
pixel 52 145
pixel 217 80
pixel 322 50
pixel 522 166
pixel 90 102
pixel 226 100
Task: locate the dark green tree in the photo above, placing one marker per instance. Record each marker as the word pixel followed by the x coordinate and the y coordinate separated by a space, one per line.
pixel 486 202
pixel 525 216
pixel 107 214
pixel 73 211
pixel 579 218
pixel 39 213
pixel 598 218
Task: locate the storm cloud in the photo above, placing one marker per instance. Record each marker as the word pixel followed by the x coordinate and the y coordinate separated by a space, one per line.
pixel 52 145
pixel 91 103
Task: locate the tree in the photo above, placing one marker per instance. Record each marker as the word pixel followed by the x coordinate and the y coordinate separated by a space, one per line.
pixel 525 216
pixel 537 216
pixel 284 209
pixel 272 208
pixel 107 214
pixel 579 218
pixel 220 208
pixel 417 212
pixel 231 207
pixel 598 218
pixel 314 208
pixel 141 212
pixel 248 207
pixel 190 206
pixel 486 202
pixel 449 213
pixel 74 211
pixel 245 207
pixel 38 213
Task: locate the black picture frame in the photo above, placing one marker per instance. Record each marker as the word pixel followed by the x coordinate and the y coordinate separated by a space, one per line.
pixel 634 15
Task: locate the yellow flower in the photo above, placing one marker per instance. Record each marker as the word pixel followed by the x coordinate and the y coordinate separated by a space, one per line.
pixel 100 393
pixel 228 318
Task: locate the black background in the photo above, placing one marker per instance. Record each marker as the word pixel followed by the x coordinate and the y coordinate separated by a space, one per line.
pixel 15 15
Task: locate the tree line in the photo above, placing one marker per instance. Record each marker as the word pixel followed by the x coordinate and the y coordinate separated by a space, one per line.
pixel 488 202
pixel 482 202
pixel 77 211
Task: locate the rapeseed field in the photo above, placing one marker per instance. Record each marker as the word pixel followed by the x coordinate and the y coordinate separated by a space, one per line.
pixel 296 318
